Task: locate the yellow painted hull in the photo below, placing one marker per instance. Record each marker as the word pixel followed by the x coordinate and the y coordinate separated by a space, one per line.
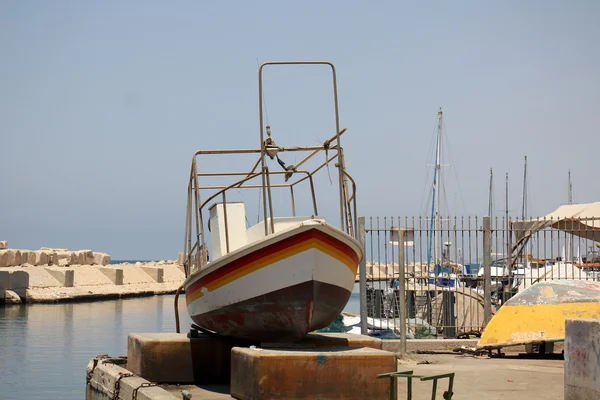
pixel 538 314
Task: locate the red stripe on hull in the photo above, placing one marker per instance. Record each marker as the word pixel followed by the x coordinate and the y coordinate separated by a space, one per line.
pixel 284 315
pixel 268 250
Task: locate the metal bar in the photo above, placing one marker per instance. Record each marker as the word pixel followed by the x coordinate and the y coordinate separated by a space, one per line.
pixel 226 224
pixel 270 200
pixel 434 389
pixel 256 151
pixel 402 273
pixel 487 269
pixel 217 187
pixel 293 201
pixel 314 198
pixel 239 173
pixel 362 276
pixel 199 218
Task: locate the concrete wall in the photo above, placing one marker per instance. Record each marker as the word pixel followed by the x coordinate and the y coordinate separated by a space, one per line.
pixel 582 359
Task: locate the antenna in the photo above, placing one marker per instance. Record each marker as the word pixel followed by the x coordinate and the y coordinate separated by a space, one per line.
pixel 524 210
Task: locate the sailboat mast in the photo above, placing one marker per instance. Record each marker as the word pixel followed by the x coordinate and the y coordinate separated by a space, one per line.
pixel 490 208
pixel 524 210
pixel 569 246
pixel 437 183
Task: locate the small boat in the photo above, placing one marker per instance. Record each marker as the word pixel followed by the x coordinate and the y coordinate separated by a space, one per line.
pixel 537 314
pixel 287 275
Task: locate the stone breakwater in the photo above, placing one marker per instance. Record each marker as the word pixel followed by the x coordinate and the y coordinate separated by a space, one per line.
pixel 58 275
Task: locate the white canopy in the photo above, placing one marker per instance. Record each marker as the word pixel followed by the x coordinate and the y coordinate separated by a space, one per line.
pixel 581 220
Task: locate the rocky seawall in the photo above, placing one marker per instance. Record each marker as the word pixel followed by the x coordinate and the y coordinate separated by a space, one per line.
pixel 59 275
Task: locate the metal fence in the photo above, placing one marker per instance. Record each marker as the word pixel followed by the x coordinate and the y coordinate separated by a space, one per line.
pixel 457 272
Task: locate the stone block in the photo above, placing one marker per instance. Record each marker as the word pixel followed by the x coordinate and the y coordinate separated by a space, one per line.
pixel 13 258
pixel 323 373
pixel 63 258
pixel 3 244
pixel 4 258
pixel 157 273
pixel 53 250
pixel 40 257
pixel 582 359
pixel 101 259
pixel 88 257
pixel 175 358
pixel 66 277
pixel 24 257
pixel 114 274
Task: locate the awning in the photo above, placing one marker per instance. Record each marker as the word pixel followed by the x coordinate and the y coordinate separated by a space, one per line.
pixel 581 220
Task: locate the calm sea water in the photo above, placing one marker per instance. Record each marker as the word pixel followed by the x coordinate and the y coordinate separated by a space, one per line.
pixel 45 348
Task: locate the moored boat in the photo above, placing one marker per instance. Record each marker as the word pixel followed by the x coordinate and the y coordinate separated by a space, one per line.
pixel 286 275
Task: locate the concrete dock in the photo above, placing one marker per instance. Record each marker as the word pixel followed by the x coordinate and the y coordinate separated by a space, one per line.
pixel 324 366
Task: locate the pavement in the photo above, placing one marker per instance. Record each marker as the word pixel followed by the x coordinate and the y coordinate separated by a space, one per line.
pixel 510 377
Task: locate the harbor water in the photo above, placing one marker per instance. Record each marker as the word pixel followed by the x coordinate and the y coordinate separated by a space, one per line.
pixel 45 348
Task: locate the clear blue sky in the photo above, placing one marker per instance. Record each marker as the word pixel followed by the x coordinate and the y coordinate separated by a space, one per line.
pixel 103 103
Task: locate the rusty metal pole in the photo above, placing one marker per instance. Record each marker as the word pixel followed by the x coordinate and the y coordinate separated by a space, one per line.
pixel 362 275
pixel 487 269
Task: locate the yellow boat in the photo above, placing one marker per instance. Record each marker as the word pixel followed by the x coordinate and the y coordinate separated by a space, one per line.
pixel 538 314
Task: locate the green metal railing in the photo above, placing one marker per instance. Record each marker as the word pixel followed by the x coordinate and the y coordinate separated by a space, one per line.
pixel 393 376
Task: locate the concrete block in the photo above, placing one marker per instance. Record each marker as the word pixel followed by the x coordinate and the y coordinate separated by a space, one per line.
pixel 101 259
pixel 19 280
pixel 4 258
pixel 175 358
pixel 88 257
pixel 582 359
pixel 13 258
pixel 157 273
pixel 25 257
pixel 324 373
pixel 3 244
pixel 66 277
pixel 63 258
pixel 4 282
pixel 114 274
pixel 40 257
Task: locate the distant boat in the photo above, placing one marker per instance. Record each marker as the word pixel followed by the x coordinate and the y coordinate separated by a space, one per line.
pixel 285 276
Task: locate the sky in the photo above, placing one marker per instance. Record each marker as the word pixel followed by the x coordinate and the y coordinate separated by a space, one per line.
pixel 102 105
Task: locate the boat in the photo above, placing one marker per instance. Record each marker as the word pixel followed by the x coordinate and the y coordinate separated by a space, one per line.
pixel 537 314
pixel 286 275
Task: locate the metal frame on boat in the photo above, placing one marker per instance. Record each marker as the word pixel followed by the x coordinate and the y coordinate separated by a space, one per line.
pixel 284 276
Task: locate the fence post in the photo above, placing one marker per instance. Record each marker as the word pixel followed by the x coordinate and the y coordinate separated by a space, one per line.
pixel 402 287
pixel 487 269
pixel 362 274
